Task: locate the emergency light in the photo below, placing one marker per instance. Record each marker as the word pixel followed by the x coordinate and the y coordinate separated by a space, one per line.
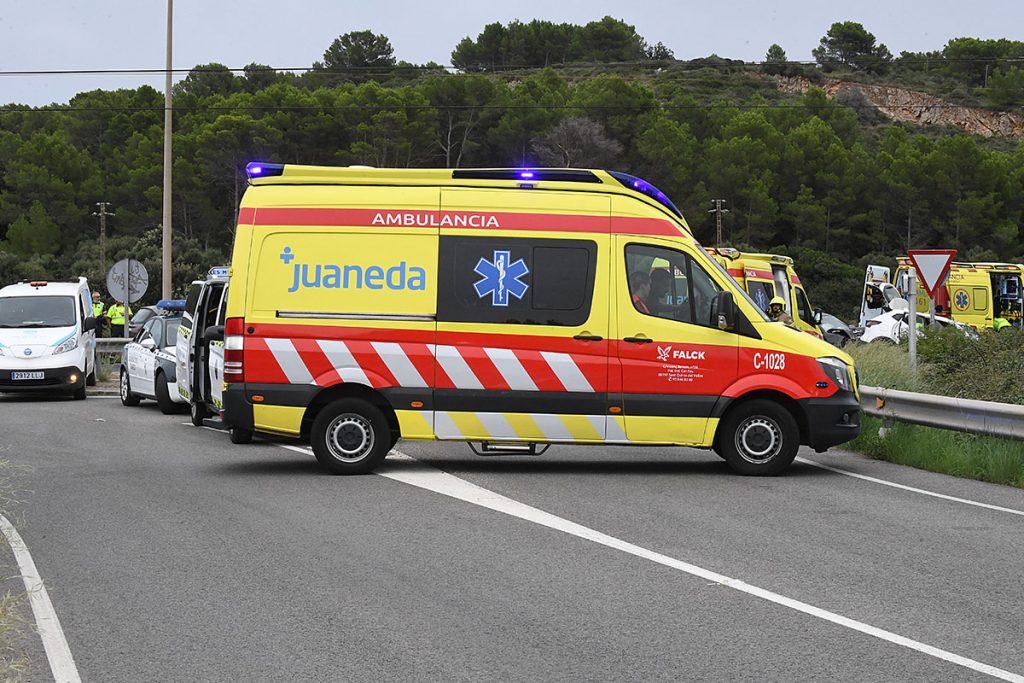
pixel 171 304
pixel 644 187
pixel 256 169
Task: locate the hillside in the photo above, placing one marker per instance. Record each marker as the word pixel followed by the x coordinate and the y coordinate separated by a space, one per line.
pixel 910 106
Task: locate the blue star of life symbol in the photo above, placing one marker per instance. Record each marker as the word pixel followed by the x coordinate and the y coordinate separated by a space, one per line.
pixel 287 255
pixel 961 299
pixel 761 298
pixel 501 278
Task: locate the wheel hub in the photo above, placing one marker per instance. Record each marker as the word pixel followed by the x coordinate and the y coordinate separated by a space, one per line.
pixel 759 439
pixel 350 437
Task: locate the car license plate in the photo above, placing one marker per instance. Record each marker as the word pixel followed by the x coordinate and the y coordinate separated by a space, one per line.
pixel 26 375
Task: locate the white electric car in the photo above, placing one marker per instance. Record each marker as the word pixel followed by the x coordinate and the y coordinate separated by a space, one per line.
pixel 47 337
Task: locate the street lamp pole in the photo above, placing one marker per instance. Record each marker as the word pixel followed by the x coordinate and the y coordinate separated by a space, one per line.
pixel 166 279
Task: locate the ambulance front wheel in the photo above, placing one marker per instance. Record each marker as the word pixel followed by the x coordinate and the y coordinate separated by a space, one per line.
pixel 350 436
pixel 758 437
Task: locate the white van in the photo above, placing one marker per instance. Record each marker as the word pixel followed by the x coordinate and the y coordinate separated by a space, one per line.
pixel 47 337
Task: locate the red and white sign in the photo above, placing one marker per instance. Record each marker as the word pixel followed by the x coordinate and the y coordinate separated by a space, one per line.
pixel 932 266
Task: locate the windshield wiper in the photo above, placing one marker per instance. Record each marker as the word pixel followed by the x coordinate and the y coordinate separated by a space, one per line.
pixel 33 324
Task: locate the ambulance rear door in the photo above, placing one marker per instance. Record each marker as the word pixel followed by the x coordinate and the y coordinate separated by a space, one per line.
pixel 184 348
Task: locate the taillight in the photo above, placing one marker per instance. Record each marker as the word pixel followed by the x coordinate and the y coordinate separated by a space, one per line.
pixel 234 343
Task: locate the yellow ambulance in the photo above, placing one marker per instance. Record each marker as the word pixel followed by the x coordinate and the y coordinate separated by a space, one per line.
pixel 982 295
pixel 765 276
pixel 508 308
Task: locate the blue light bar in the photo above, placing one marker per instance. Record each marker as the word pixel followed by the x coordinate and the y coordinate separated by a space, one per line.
pixel 257 169
pixel 644 187
pixel 217 273
pixel 171 304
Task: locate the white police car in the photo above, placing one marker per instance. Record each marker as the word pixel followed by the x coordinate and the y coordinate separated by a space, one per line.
pixel 148 362
pixel 47 337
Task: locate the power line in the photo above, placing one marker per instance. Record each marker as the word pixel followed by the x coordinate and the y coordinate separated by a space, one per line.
pixel 701 62
pixel 57 109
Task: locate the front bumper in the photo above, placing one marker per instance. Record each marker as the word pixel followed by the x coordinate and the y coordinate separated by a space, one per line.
pixel 54 379
pixel 831 421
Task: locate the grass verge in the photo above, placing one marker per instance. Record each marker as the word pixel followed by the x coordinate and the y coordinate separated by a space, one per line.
pixel 984 458
pixel 14 626
pixel 953 366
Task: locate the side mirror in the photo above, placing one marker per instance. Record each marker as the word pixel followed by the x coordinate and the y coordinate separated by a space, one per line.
pixel 723 311
pixel 89 324
pixel 817 316
pixel 214 333
pixel 148 343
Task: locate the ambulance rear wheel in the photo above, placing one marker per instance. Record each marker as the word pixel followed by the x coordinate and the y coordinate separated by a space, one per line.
pixel 350 436
pixel 759 438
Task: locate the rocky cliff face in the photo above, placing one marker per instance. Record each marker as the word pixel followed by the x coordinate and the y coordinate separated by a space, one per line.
pixel 917 107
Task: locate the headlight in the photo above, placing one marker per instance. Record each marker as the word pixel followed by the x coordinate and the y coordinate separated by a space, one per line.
pixel 837 371
pixel 69 345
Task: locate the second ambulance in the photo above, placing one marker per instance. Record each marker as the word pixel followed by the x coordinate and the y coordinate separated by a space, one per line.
pixel 511 308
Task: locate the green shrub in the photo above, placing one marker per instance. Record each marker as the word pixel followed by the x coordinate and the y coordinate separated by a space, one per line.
pixel 990 368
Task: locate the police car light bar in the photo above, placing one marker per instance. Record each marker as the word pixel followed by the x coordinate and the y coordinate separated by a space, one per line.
pixel 171 304
pixel 256 169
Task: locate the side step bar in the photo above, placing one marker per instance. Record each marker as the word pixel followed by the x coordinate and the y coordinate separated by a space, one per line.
pixel 509 448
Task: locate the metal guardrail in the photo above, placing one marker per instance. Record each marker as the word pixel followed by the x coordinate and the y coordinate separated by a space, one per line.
pixel 108 351
pixel 944 412
pixel 111 344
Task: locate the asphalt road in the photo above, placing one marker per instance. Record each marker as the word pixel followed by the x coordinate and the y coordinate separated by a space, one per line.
pixel 172 555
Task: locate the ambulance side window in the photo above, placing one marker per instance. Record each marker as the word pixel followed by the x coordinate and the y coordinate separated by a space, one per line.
pixel 980 299
pixel 665 283
pixel 803 307
pixel 515 281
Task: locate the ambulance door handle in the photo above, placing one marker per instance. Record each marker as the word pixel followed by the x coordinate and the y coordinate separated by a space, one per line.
pixel 638 340
pixel 588 337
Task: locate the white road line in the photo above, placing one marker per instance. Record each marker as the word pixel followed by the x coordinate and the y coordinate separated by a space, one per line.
pixel 904 487
pixel 429 478
pixel 62 664
pixel 435 480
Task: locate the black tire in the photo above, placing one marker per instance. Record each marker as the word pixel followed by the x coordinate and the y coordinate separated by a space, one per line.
pixel 90 379
pixel 127 397
pixel 239 435
pixel 198 413
pixel 163 396
pixel 350 436
pixel 758 437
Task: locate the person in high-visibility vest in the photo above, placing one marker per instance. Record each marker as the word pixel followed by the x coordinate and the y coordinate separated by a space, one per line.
pixel 98 312
pixel 1000 324
pixel 116 315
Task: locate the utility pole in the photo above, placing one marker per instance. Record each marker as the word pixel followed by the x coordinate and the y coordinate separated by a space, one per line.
pixel 166 252
pixel 718 211
pixel 103 213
